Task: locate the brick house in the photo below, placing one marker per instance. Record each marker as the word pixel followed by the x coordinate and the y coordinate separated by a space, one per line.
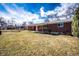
pixel 55 27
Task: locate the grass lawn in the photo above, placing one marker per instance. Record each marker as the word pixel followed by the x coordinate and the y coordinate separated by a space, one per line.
pixel 29 43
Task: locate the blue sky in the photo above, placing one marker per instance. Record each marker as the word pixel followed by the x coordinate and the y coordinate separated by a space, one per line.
pixel 31 12
pixel 31 7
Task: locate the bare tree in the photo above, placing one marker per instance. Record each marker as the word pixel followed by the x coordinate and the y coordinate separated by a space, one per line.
pixel 24 25
pixel 3 24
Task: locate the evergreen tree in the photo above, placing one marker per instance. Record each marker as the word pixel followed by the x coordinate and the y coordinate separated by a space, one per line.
pixel 75 23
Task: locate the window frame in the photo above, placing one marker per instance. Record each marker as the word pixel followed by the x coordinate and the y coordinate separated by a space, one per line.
pixel 60 25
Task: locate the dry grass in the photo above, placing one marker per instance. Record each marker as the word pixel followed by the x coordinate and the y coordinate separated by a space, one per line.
pixel 30 43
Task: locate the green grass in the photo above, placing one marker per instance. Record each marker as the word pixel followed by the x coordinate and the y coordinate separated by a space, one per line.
pixel 29 43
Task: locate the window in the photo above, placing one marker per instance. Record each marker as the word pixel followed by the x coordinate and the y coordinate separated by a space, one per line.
pixel 45 27
pixel 60 24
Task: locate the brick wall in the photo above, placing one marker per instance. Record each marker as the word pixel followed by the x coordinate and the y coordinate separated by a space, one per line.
pixel 66 29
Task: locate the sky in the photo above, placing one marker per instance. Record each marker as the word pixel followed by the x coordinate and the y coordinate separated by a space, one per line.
pixel 35 12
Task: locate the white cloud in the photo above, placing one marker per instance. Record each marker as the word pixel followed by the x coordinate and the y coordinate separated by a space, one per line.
pixel 50 12
pixel 19 14
pixel 65 9
pixel 39 21
pixel 42 12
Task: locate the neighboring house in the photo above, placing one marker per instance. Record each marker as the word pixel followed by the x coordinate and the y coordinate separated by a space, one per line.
pixel 55 27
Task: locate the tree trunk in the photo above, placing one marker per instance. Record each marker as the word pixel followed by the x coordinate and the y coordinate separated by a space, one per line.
pixel 0 32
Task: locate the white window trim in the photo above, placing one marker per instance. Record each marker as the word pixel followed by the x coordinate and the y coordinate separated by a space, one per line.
pixel 61 25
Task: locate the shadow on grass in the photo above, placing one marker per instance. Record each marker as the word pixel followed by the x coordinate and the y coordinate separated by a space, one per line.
pixel 47 33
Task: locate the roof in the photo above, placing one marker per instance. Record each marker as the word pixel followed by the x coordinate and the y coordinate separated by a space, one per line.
pixel 52 22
